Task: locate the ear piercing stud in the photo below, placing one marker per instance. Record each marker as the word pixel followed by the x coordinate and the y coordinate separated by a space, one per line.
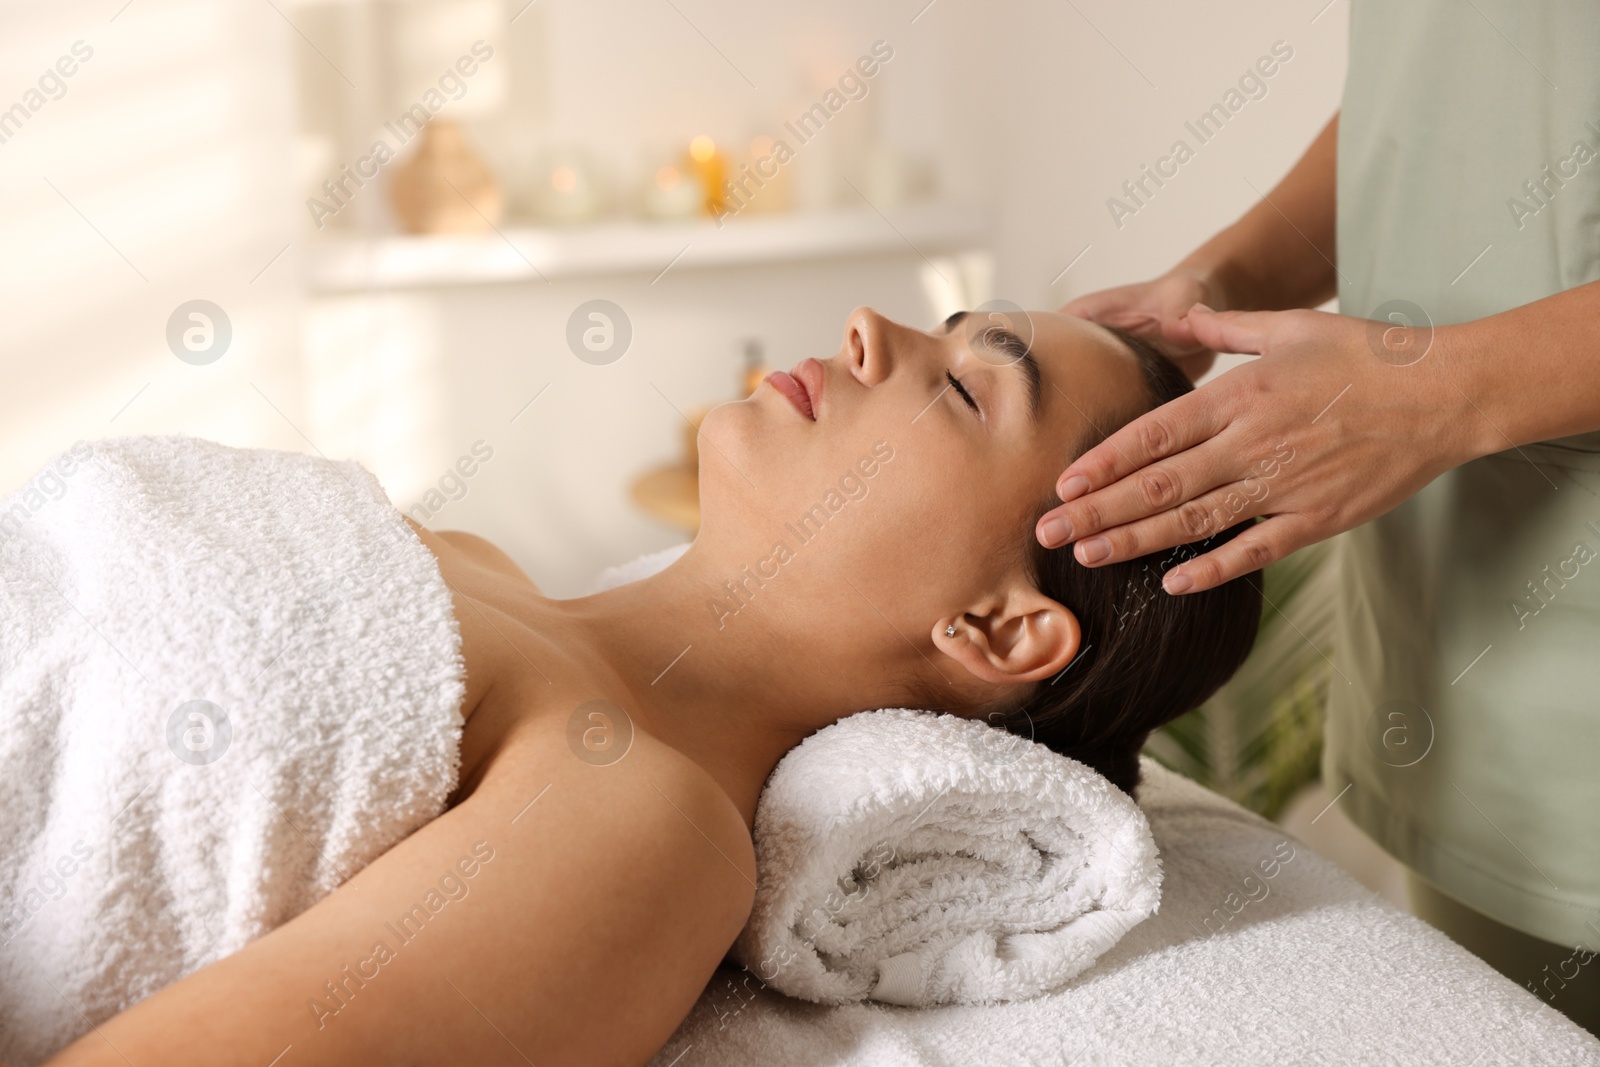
pixel 950 631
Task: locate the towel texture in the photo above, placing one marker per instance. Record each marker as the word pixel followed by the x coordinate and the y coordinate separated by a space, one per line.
pixel 229 679
pixel 631 571
pixel 1263 952
pixel 919 859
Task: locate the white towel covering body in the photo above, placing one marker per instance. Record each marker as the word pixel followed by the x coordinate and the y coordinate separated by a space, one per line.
pixel 229 679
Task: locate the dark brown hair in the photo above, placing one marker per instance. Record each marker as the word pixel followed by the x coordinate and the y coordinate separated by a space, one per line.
pixel 1145 656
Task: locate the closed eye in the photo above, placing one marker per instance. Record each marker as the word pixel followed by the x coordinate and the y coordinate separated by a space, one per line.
pixel 955 383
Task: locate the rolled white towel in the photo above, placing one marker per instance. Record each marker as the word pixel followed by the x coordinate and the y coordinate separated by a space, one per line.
pixel 919 859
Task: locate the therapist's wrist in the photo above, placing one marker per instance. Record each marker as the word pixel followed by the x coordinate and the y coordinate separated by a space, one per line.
pixel 1232 282
pixel 1252 272
pixel 1237 268
pixel 1217 281
pixel 1472 428
pixel 1213 285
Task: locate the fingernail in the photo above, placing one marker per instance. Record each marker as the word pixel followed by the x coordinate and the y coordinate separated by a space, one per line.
pixel 1177 582
pixel 1073 487
pixel 1054 531
pixel 1093 550
pixel 1203 307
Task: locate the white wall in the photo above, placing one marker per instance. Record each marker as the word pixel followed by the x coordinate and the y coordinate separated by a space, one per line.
pixel 155 179
pixel 1067 101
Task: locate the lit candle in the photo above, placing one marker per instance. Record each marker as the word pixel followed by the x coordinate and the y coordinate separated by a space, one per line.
pixel 711 168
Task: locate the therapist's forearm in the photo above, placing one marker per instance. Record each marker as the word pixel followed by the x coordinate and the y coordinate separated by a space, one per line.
pixel 1280 254
pixel 1528 374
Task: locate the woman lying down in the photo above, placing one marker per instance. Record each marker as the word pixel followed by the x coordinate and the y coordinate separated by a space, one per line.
pixel 275 794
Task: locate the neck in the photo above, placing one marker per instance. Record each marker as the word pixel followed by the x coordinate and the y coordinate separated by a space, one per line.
pixel 730 689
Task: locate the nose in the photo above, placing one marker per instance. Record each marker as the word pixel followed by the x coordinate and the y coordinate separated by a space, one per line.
pixel 866 345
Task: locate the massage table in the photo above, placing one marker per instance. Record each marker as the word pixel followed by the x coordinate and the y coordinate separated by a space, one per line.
pixel 1262 952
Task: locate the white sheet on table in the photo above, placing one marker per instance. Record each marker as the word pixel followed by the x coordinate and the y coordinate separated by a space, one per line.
pixel 1316 969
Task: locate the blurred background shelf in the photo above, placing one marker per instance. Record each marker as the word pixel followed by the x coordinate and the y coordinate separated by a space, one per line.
pixel 670 493
pixel 529 253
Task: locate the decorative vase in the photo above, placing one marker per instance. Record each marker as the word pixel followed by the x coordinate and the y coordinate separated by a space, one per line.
pixel 446 187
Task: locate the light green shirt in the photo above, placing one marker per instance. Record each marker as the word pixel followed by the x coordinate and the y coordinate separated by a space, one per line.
pixel 1464 710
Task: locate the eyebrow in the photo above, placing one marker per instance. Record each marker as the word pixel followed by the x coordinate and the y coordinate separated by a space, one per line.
pixel 1004 340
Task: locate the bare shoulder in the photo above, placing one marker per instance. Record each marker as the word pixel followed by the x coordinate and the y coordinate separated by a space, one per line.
pixel 571 910
pixel 647 786
pixel 470 548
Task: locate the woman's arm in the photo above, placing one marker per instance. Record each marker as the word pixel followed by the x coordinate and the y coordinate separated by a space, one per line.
pixel 1530 371
pixel 575 928
pixel 1278 255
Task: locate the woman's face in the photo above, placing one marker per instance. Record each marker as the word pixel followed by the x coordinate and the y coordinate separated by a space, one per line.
pixel 906 469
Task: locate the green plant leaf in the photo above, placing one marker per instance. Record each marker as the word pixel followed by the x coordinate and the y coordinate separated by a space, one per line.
pixel 1259 738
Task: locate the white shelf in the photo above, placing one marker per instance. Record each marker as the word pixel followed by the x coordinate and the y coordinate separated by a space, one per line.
pixel 529 253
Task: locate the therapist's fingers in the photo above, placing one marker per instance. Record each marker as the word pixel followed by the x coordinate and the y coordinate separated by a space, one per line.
pixel 1244 332
pixel 1092 306
pixel 1151 508
pixel 1173 337
pixel 1208 513
pixel 1180 338
pixel 1168 430
pixel 1264 542
pixel 1154 310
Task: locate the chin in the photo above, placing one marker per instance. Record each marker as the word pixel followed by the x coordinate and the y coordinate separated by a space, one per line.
pixel 766 472
pixel 729 446
pixel 759 438
pixel 755 457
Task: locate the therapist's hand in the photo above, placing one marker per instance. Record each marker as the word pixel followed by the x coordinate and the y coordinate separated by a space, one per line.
pixel 1324 432
pixel 1156 310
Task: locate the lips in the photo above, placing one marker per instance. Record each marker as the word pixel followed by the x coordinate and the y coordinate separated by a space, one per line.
pixel 802 386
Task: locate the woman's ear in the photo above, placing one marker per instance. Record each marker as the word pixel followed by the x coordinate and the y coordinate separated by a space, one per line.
pixel 1021 636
